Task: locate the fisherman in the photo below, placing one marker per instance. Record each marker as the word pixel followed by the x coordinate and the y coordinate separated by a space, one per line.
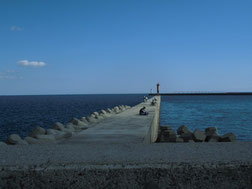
pixel 142 111
pixel 145 98
pixel 154 102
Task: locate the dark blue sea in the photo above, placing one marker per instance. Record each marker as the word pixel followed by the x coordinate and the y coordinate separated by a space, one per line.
pixel 227 113
pixel 21 114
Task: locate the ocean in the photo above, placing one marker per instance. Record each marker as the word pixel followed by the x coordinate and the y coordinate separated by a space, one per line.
pixel 21 114
pixel 229 113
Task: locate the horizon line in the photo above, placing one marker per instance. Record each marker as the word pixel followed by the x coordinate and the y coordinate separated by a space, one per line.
pixel 65 94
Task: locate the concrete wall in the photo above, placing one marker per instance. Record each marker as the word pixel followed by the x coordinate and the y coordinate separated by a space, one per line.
pixel 152 134
pixel 183 175
pixel 158 165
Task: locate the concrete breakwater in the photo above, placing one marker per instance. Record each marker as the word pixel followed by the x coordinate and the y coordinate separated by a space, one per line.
pixel 183 134
pixel 60 132
pixel 127 127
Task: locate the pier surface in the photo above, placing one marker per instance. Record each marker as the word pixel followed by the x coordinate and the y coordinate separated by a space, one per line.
pixel 118 153
pixel 127 127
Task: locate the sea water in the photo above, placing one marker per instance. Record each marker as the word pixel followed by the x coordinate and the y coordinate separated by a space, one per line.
pixel 229 113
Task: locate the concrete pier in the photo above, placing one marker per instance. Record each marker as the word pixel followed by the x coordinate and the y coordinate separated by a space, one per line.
pixel 127 127
pixel 118 153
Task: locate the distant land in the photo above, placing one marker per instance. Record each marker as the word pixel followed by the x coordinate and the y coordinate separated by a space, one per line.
pixel 203 93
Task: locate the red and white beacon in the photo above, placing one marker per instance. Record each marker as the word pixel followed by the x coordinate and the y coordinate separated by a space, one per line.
pixel 157 88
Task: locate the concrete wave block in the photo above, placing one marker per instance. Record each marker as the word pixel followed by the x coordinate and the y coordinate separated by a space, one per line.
pixel 53 132
pixel 183 129
pixel 15 139
pixel 211 131
pixel 229 137
pixel 59 134
pixel 99 118
pixel 93 115
pixel 78 122
pixel 167 127
pixel 91 119
pixel 116 110
pixel 70 127
pixel 58 126
pixel 187 136
pixel 3 144
pixel 199 136
pixel 64 135
pixel 37 131
pixel 168 136
pixel 79 128
pixel 179 140
pixel 103 112
pixel 105 115
pixel 213 139
pixel 83 119
pixel 31 140
pixel 212 134
pixel 46 138
pixel 68 130
pixel 109 111
pixel 96 113
pixel 122 108
pixel 127 107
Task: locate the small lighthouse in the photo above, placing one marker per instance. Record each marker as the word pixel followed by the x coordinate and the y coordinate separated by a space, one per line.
pixel 157 88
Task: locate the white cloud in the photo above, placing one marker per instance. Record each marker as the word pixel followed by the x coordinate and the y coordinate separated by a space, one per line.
pixel 31 63
pixel 16 28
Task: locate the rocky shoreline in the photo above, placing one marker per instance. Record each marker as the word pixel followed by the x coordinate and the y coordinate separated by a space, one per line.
pixel 183 134
pixel 60 132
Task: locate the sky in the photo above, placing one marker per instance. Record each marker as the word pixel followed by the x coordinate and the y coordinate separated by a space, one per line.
pixel 124 46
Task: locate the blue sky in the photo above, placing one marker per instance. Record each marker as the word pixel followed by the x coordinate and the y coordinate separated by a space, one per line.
pixel 124 46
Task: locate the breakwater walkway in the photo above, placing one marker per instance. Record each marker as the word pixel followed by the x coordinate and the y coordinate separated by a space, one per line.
pixel 127 127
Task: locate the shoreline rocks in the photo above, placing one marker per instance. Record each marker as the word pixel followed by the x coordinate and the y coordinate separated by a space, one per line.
pixel 167 134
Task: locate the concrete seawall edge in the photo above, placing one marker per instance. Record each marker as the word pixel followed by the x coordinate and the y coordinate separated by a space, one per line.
pixel 152 134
